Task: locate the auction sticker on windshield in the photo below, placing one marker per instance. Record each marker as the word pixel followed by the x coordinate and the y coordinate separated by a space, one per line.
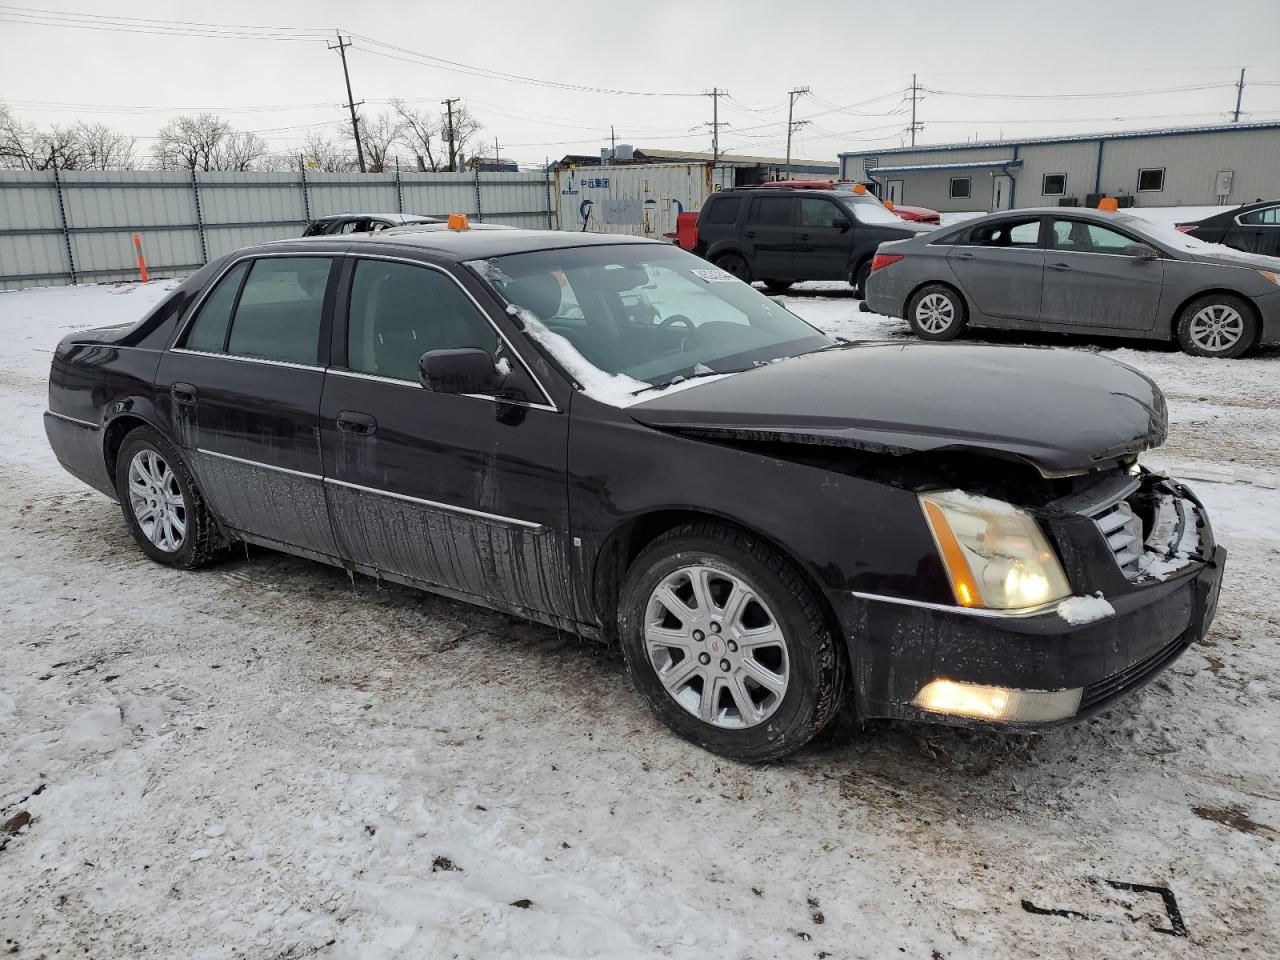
pixel 713 275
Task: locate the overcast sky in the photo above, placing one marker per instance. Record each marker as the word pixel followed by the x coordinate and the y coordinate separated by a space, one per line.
pixel 989 70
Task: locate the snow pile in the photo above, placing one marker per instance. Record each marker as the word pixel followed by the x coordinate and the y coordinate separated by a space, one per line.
pixel 1081 610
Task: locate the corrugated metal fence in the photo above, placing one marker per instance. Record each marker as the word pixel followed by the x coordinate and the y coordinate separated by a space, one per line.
pixel 77 227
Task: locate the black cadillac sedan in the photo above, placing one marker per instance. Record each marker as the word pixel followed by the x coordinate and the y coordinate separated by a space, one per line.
pixel 611 436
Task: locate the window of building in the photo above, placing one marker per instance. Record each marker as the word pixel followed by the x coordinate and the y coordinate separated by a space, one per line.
pixel 961 188
pixel 724 210
pixel 1151 179
pixel 400 311
pixel 209 332
pixel 771 211
pixel 278 314
pixel 1053 184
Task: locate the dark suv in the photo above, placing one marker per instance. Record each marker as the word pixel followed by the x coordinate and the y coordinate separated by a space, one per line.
pixel 781 235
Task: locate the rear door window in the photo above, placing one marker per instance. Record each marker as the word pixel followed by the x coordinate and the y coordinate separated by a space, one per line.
pixel 280 309
pixel 209 331
pixel 771 211
pixel 1006 233
pixel 724 210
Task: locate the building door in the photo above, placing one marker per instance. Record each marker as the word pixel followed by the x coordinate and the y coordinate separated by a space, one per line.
pixel 895 191
pixel 1001 192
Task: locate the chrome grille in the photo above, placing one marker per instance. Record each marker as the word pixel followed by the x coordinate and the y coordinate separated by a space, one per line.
pixel 1122 529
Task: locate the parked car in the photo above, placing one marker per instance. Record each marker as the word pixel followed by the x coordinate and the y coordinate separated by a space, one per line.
pixel 783 234
pixel 1080 271
pixel 766 519
pixel 914 214
pixel 1253 227
pixel 363 223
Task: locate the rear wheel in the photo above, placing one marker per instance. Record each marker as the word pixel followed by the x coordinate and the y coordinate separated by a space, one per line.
pixel 1217 325
pixel 859 280
pixel 777 286
pixel 162 505
pixel 729 644
pixel 735 264
pixel 936 312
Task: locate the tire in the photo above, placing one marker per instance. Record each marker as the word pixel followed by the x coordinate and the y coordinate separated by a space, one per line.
pixel 778 286
pixel 936 312
pixel 1217 325
pixel 147 466
pixel 735 264
pixel 804 661
pixel 859 280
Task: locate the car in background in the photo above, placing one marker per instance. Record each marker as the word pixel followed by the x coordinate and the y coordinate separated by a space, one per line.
pixel 765 519
pixel 780 235
pixel 914 214
pixel 1253 227
pixel 1081 272
pixel 363 223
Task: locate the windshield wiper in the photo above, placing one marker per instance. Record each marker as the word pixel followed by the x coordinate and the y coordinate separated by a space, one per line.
pixel 697 375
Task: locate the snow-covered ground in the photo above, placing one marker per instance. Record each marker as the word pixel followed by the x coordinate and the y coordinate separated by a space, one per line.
pixel 264 760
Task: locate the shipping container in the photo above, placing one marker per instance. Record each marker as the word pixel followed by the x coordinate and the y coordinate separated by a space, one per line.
pixel 638 200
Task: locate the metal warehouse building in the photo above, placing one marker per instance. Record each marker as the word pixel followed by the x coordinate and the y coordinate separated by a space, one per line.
pixel 1188 166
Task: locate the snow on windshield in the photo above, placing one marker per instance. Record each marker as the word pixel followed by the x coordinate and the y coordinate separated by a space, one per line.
pixel 871 211
pixel 1172 237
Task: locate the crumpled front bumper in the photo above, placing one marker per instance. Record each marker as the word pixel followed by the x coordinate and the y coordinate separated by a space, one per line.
pixel 899 646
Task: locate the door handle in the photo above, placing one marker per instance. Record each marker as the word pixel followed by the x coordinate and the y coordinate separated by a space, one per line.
pixel 802 236
pixel 1059 266
pixel 964 256
pixel 361 424
pixel 183 393
pixel 751 234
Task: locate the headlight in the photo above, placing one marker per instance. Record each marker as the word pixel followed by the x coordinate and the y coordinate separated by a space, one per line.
pixel 995 554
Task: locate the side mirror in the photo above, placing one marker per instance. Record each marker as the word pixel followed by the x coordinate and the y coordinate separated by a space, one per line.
pixel 467 370
pixel 1141 251
pixel 844 223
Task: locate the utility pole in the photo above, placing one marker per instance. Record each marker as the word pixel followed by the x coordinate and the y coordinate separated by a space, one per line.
pixel 915 88
pixel 613 145
pixel 1239 96
pixel 793 124
pixel 715 95
pixel 497 154
pixel 341 47
pixel 453 154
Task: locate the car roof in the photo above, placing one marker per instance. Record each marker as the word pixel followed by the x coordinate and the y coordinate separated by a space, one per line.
pixel 479 241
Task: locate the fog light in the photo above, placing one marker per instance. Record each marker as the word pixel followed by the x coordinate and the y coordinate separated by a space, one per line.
pixel 997 703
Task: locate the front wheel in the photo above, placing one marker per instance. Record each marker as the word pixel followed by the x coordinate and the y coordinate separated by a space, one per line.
pixel 162 505
pixel 735 264
pixel 729 644
pixel 778 286
pixel 936 312
pixel 1217 325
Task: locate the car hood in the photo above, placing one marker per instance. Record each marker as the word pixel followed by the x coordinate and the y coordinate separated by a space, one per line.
pixel 1230 257
pixel 1063 411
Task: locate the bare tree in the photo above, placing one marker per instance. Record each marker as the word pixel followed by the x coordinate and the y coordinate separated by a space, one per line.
pixel 190 142
pixel 379 137
pixel 327 156
pixel 465 128
pixel 24 146
pixel 104 148
pixel 421 134
pixel 240 151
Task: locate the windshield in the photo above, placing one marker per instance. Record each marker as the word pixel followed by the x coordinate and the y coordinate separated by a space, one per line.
pixel 869 210
pixel 644 314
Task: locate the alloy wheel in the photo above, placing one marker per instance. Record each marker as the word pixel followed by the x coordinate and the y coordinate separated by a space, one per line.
pixel 716 647
pixel 935 313
pixel 156 501
pixel 1216 328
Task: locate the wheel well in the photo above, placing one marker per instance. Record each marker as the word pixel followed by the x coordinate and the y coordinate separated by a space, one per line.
pixel 113 439
pixel 627 542
pixel 964 304
pixel 1216 291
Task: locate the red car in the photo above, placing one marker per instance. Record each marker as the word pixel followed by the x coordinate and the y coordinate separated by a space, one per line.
pixel 917 214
